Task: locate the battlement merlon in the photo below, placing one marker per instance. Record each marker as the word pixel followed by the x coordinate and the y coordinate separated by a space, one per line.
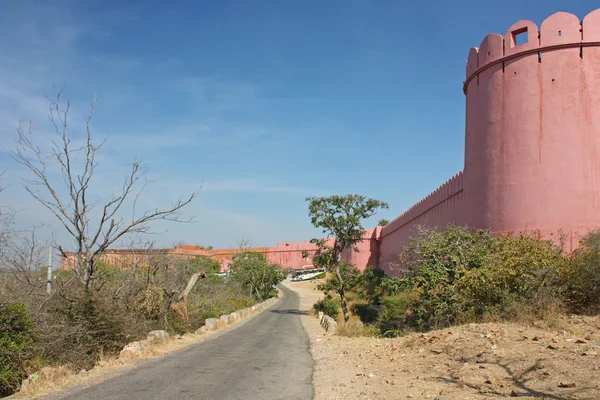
pixel 559 31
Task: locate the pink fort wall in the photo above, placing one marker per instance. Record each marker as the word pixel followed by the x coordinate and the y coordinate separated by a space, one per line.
pixel 532 143
pixel 443 206
pixel 532 139
pixel 532 152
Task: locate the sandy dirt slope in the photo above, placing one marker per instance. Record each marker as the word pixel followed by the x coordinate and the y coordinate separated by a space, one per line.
pixel 476 361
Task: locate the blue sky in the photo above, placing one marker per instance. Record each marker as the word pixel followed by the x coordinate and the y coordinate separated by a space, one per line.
pixel 260 103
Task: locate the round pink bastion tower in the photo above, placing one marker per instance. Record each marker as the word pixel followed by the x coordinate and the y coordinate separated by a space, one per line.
pixel 532 140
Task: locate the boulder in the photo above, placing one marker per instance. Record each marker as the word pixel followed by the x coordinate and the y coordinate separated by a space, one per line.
pixel 329 324
pixel 233 316
pixel 161 337
pixel 225 319
pixel 211 324
pixel 203 329
pixel 132 350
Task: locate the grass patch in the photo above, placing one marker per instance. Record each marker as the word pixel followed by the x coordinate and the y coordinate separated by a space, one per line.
pixel 356 328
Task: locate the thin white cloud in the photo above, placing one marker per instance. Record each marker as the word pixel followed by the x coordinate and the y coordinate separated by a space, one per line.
pixel 249 185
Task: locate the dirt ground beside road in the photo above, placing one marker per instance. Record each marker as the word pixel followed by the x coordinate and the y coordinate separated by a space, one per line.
pixel 475 361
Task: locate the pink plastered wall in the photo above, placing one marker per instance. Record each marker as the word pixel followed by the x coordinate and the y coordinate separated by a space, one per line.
pixel 532 140
pixel 368 250
pixel 441 207
pixel 290 255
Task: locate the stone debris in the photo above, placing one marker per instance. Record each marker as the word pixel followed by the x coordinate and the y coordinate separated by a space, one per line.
pixel 161 337
pixel 132 350
pixel 210 323
pixel 328 323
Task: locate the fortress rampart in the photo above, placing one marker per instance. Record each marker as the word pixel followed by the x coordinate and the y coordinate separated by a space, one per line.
pixel 532 146
pixel 441 207
pixel 532 138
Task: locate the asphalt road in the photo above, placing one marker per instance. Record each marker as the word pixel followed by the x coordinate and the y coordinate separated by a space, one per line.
pixel 266 358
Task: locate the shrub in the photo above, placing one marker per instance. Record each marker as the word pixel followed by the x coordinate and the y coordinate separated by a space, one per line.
pixel 367 312
pixel 436 261
pixel 16 346
pixel 394 314
pixel 520 276
pixel 350 275
pixel 83 329
pixel 254 273
pixel 581 277
pixel 356 328
pixel 328 306
pixel 369 284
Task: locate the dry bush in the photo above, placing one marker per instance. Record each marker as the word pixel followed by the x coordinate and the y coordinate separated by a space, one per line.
pixel 76 327
pixel 356 328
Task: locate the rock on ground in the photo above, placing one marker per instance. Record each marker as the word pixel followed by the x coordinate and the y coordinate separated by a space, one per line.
pixel 158 337
pixel 133 350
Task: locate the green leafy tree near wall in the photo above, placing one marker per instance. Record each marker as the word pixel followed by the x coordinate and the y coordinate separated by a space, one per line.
pixel 253 272
pixel 340 218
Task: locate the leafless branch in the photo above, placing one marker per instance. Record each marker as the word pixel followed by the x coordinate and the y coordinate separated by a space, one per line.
pixel 68 198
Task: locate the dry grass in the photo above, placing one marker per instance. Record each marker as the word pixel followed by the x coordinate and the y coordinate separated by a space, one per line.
pixel 355 328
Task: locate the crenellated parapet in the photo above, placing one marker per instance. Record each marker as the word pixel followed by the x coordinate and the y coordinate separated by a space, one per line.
pixel 429 204
pixel 559 31
pixel 532 131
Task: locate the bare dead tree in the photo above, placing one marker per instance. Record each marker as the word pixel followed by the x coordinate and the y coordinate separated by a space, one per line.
pixel 24 255
pixel 68 198
pixel 177 301
pixel 7 217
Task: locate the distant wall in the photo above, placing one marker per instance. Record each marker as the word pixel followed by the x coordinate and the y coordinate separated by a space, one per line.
pixel 290 255
pixel 368 250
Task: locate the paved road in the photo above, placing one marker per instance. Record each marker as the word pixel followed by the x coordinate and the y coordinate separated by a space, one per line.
pixel 266 358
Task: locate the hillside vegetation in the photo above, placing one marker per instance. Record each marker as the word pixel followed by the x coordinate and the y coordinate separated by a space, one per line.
pixel 76 328
pixel 456 276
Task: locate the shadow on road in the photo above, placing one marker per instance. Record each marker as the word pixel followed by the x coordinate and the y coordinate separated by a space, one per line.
pixel 292 312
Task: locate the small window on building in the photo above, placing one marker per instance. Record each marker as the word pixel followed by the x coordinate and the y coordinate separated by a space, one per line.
pixel 520 36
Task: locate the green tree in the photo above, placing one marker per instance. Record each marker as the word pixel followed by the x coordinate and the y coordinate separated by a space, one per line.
pixel 199 264
pixel 253 272
pixel 340 218
pixel 383 222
